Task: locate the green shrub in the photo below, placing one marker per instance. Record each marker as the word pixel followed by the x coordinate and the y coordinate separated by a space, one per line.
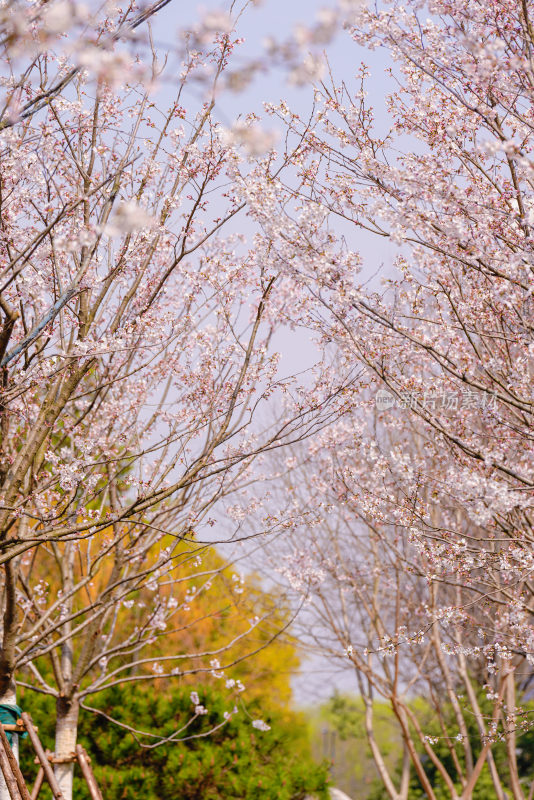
pixel 236 761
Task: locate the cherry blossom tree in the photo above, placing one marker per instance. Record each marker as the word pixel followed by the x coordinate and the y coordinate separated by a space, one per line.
pixel 413 633
pixel 450 339
pixel 139 382
pixel 446 338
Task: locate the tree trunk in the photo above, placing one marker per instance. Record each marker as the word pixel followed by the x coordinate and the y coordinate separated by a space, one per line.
pixel 66 731
pixel 67 706
pixel 9 698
